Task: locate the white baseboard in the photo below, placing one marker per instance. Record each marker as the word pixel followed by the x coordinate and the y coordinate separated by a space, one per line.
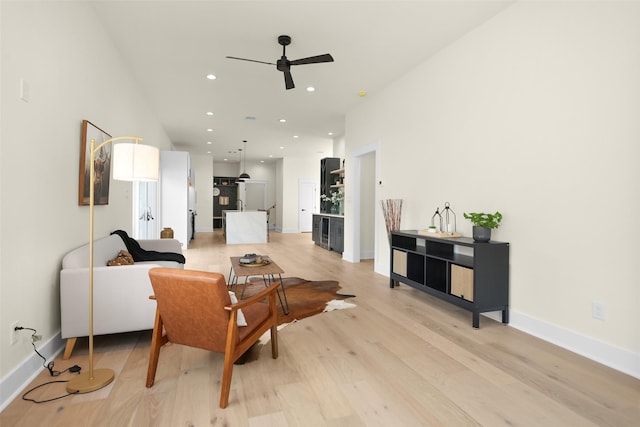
pixel 15 381
pixel 367 255
pixel 288 230
pixel 616 358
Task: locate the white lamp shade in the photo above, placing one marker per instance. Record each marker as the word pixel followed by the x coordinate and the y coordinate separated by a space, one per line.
pixel 135 162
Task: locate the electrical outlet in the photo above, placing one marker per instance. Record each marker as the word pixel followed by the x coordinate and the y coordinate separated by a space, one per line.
pixel 13 334
pixel 597 310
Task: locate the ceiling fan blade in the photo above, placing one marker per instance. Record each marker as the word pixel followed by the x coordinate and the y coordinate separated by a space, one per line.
pixel 250 60
pixel 288 80
pixel 313 59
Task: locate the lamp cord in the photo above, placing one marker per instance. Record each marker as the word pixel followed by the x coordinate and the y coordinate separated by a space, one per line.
pixel 52 372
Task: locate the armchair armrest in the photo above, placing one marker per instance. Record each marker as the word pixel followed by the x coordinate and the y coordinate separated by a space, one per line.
pixel 271 290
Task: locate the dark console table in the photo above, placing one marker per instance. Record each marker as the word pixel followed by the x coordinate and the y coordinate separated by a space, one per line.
pixel 474 276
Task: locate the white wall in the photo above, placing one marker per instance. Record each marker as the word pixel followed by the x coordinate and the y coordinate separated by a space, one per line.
pixel 265 172
pixel 225 169
pixel 174 182
pixel 535 114
pixel 73 73
pixel 339 145
pixel 203 165
pixel 292 171
pixel 367 205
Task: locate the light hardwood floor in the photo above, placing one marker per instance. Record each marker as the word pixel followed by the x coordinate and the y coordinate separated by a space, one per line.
pixel 400 358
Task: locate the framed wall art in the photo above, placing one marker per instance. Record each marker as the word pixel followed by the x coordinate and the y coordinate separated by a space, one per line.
pixel 102 165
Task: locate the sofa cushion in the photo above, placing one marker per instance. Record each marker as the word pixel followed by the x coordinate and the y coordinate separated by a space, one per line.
pixel 123 258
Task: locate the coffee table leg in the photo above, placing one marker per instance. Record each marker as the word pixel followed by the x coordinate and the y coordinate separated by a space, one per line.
pixel 284 294
pixel 246 279
pixel 233 280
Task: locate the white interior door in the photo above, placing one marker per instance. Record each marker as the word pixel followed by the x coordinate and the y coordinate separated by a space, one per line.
pixel 144 211
pixel 307 200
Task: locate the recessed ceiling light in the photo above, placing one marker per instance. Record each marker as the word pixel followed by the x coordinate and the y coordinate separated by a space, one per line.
pixel 282 148
pixel 295 136
pixel 209 130
pixel 283 120
pixel 209 142
pixel 270 155
pixel 311 89
pixel 209 113
pixel 226 160
pixel 208 152
pixel 330 133
pixel 211 77
pixel 261 161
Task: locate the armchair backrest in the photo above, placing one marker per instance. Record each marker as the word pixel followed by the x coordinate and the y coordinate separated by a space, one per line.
pixel 191 305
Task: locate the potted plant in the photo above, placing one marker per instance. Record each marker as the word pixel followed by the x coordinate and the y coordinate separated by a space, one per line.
pixel 336 199
pixel 482 224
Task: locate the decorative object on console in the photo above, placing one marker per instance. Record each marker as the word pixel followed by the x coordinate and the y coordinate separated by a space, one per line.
pixel 482 224
pixel 132 162
pixel 166 233
pixel 436 222
pixel 446 224
pixel 392 211
pixel 449 218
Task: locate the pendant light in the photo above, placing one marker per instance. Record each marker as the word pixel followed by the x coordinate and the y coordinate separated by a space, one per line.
pixel 244 175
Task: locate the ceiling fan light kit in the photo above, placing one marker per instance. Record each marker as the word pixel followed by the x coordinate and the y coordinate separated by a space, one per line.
pixel 283 64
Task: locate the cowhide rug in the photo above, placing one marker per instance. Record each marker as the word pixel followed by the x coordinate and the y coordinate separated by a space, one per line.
pixel 306 298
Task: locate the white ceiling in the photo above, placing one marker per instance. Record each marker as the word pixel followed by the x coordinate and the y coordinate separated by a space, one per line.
pixel 170 47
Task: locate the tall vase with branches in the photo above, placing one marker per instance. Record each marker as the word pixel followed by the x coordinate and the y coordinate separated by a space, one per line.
pixel 392 211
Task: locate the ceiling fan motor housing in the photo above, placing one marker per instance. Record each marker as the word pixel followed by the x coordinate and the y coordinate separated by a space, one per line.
pixel 284 40
pixel 283 64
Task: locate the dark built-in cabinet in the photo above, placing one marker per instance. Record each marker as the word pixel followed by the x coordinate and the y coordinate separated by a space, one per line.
pixel 327 179
pixel 225 197
pixel 328 232
pixel 474 276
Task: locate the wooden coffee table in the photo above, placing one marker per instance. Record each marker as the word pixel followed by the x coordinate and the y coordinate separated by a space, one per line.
pixel 268 271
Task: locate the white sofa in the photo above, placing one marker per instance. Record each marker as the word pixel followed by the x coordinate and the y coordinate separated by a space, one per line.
pixel 120 293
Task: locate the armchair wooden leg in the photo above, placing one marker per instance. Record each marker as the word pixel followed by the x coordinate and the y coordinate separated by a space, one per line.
pixel 157 341
pixel 274 342
pixel 226 379
pixel 71 343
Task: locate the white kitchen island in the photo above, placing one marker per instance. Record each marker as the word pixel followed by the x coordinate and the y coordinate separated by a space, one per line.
pixel 244 226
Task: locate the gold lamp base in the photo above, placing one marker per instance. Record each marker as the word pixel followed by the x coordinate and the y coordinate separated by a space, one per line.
pixel 84 383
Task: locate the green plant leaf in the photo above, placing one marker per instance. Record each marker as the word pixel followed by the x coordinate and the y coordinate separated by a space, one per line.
pixel 480 219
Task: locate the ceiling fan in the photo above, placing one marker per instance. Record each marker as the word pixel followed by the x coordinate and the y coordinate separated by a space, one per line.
pixel 283 64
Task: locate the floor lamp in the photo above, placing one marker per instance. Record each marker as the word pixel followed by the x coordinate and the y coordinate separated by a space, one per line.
pixel 131 162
